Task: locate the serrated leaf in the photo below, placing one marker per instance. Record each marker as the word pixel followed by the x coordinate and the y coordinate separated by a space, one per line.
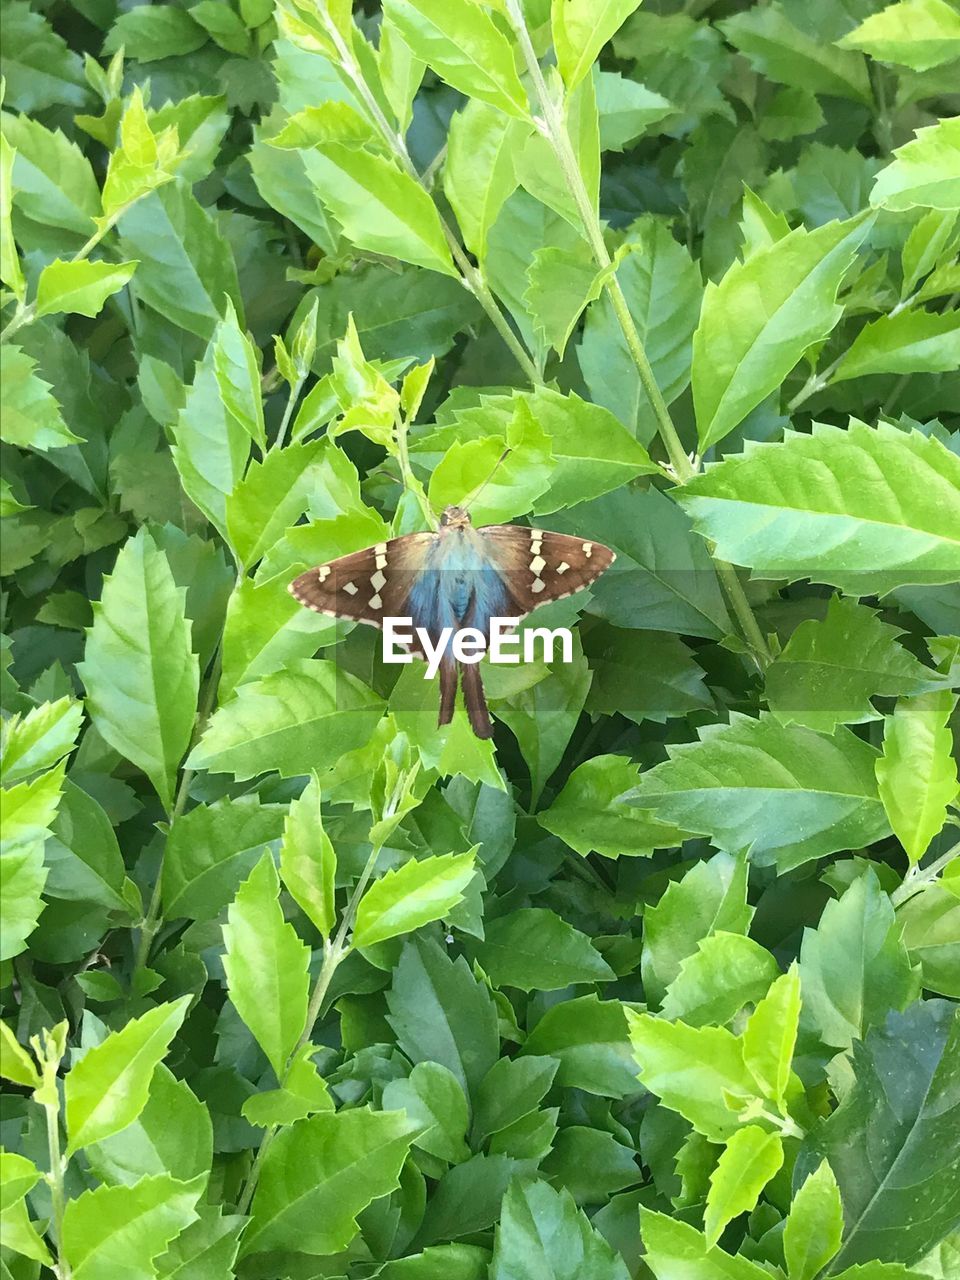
pixel 917 774
pixel 542 1232
pixel 29 414
pixel 784 792
pixel 757 322
pixel 295 720
pixel 380 207
pixel 266 966
pixel 15 1063
pixel 908 342
pixel 308 862
pixel 691 1069
pixel 727 971
pixel 109 1086
pixel 420 891
pixel 461 43
pixel 40 739
pixel 580 29
pixel 114 1233
pixel 561 285
pixel 140 674
pixel 479 173
pixel 151 33
pixel 925 172
pixel 80 287
pixel 930 931
pixel 39 69
pixel 828 670
pixel 770 1035
pixel 29 810
pixel 747 1163
pixel 814 1226
pixel 913 33
pixel 434 1100
pixel 273 495
pixel 674 1247
pixel 853 966
pixel 53 181
pixel 238 376
pixel 866 526
pixel 535 949
pixel 319 1173
pixel 894 1141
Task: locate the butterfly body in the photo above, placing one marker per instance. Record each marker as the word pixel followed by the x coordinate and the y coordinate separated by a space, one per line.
pixel 456 577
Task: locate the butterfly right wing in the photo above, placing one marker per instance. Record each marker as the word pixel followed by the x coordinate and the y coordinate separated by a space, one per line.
pixel 365 586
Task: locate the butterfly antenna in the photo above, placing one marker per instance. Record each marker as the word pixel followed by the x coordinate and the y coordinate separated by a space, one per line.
pixel 468 502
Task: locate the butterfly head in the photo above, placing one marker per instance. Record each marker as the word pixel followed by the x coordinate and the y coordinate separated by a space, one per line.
pixel 455 518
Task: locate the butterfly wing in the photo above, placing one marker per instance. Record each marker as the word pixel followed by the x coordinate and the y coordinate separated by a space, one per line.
pixel 369 585
pixel 538 566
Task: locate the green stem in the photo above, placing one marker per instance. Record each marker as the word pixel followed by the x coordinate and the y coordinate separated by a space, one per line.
pixel 733 589
pixel 472 277
pixel 918 878
pixel 410 481
pixel 55 1180
pixel 292 399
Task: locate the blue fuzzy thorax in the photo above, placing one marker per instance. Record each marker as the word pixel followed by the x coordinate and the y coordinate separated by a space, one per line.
pixel 458 585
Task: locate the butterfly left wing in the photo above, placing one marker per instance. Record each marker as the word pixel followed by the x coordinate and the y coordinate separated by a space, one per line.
pixel 538 566
pixel 365 586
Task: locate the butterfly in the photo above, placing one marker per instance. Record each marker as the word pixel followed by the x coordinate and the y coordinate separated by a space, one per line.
pixel 457 576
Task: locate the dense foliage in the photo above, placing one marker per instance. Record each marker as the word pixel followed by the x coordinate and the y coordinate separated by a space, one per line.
pixel 662 979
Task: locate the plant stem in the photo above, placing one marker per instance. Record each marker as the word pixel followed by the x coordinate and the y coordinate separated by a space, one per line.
pixel 410 481
pixel 472 277
pixel 555 129
pixel 55 1180
pixel 292 399
pixel 918 878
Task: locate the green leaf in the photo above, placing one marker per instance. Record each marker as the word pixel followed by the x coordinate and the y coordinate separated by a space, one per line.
pixel 589 1038
pixel 206 1250
pixel 894 1141
pixel 726 972
pixel 784 53
pixel 151 33
pixel 814 1226
pixel 238 378
pixel 674 1248
pixel 186 272
pixel 434 1100
pixel 53 181
pixel 854 967
pixel 308 862
pixel 15 1063
pixel 412 895
pixel 304 1093
pixel 479 173
pixel 11 272
pixel 140 674
pixel 109 1086
pixel 783 792
pixel 930 931
pixel 643 675
pixel 273 495
pixel 319 1173
pixel 661 284
pixel 581 29
pixel 39 69
pixel 29 414
pixel 29 810
pixel 691 1069
pixel 140 163
pixel 82 854
pixel 381 208
pixel 747 1163
pixel 909 342
pixel 305 717
pixel 925 173
pixel 441 1013
pixel 511 1091
pixel 210 850
pixel 461 43
pixel 114 1233
pixel 40 739
pixel 829 669
pixel 536 950
pixel 712 895
pixel 542 1232
pixel 770 1036
pixel 266 966
pixel 561 284
pixel 762 316
pixel 917 774
pixel 913 33
pixel 867 536
pixel 626 110
pixel 80 287
pixel 589 815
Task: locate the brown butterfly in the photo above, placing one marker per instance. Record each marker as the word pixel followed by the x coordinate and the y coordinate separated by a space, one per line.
pixel 456 577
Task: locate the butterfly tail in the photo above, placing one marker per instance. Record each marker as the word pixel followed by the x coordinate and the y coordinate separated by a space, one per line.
pixel 448 690
pixel 475 700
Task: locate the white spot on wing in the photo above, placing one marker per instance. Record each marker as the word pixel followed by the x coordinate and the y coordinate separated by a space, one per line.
pixel 323 573
pixel 588 549
pixel 350 588
pixel 537 584
pixel 562 567
pixel 378 580
pixel 537 563
pixel 376 602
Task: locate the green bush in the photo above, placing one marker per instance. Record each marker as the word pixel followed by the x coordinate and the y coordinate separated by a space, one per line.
pixel 660 979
